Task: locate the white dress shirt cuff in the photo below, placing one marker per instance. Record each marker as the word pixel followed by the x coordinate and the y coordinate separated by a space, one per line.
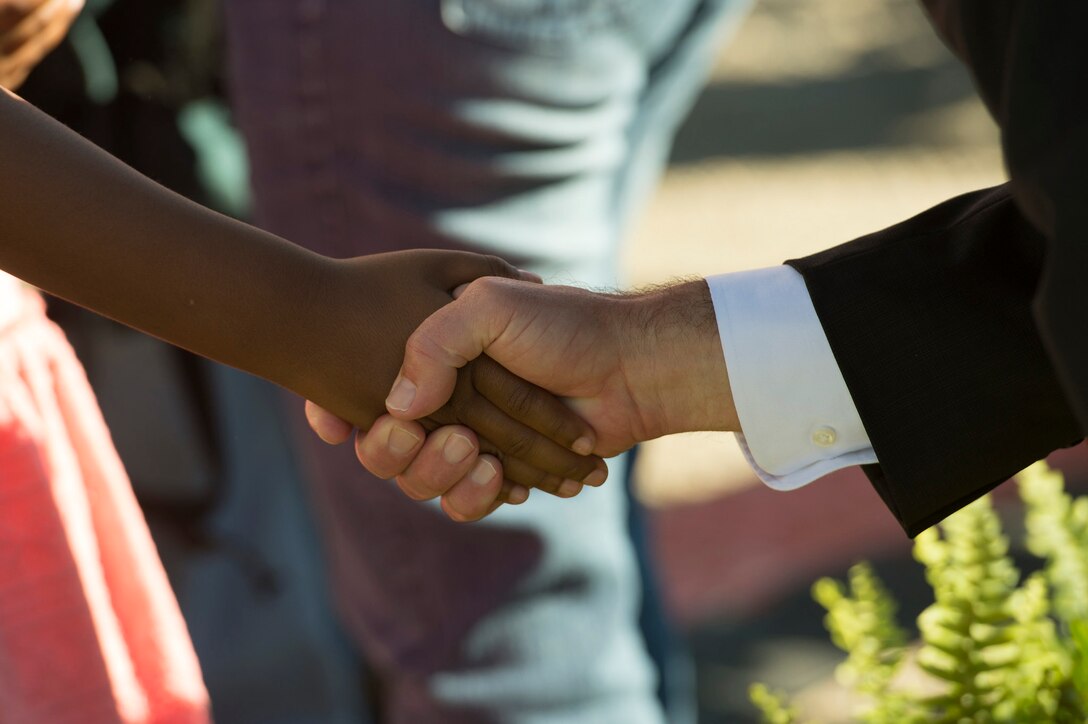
pixel 798 418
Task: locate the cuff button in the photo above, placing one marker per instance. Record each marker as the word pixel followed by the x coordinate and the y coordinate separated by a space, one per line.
pixel 824 436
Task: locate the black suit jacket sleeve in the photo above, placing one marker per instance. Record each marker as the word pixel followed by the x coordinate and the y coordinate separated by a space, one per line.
pixel 963 333
pixel 1029 60
pixel 931 323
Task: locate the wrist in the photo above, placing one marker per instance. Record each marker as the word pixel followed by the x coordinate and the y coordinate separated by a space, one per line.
pixel 674 362
pixel 307 308
pixel 347 335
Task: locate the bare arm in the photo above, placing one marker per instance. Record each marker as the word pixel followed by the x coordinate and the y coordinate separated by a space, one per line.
pixel 82 225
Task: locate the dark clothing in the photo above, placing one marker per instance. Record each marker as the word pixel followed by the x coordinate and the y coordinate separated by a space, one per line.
pixel 974 358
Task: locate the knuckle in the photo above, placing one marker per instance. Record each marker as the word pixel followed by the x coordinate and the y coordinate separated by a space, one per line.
pixel 548 483
pixel 412 490
pixel 485 287
pixel 530 476
pixel 562 430
pixel 579 468
pixel 467 507
pixel 489 448
pixel 499 267
pixel 519 446
pixel 373 462
pixel 449 507
pixel 521 400
pixel 424 348
pixel 461 405
pixel 470 517
pixel 417 345
pixel 504 492
pixel 476 509
pixel 374 467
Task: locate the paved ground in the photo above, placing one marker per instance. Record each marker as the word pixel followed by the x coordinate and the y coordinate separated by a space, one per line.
pixel 826 119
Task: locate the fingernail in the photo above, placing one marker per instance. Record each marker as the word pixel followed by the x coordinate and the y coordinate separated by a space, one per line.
pixel 595 478
pixel 582 446
pixel 402 441
pixel 457 292
pixel 483 473
pixel 401 396
pixel 569 489
pixel 518 495
pixel 457 448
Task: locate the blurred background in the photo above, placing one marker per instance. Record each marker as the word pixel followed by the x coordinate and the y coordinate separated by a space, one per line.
pixel 823 120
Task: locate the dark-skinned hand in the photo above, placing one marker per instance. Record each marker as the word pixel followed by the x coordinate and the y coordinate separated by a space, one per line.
pixel 371 305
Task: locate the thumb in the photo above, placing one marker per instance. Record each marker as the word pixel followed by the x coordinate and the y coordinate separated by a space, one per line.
pixel 446 341
pixel 523 275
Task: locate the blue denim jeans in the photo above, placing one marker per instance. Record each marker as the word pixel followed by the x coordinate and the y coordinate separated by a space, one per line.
pixel 527 128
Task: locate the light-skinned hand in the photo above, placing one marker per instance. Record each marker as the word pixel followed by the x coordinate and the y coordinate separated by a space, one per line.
pixel 533 434
pixel 634 366
pixel 30 30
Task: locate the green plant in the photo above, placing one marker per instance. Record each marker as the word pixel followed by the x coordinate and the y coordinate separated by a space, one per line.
pixel 775 711
pixel 993 648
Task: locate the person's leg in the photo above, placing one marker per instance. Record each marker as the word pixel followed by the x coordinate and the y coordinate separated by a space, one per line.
pixel 677 74
pixel 256 594
pixel 376 126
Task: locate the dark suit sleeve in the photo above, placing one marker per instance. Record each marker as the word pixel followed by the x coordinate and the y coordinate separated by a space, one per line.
pixel 932 327
pixel 963 332
pixel 1029 60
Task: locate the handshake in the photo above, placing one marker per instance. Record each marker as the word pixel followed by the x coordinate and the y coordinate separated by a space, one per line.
pixel 372 335
pixel 473 415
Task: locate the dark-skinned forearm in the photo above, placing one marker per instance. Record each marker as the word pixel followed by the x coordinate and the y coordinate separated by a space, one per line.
pixel 79 224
